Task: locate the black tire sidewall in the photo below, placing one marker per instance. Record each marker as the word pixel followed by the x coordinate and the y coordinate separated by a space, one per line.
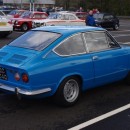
pixel 59 95
pixel 23 26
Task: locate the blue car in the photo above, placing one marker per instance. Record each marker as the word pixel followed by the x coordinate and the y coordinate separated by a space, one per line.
pixel 61 62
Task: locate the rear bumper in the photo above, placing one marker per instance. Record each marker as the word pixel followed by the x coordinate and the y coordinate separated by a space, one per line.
pixel 18 91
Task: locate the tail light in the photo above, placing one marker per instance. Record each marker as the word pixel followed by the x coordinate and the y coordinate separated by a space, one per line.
pixel 25 78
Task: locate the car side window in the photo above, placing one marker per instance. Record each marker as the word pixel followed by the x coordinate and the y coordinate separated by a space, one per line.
pixel 66 17
pixel 43 16
pixel 112 43
pixel 71 17
pixel 71 46
pixel 96 41
pixel 37 16
pixel 107 17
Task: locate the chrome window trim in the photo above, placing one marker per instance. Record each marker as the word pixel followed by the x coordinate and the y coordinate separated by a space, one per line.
pixel 64 41
pixel 85 43
pixel 107 49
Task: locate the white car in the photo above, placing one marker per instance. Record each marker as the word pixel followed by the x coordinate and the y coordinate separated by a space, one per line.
pixel 5 27
pixel 59 18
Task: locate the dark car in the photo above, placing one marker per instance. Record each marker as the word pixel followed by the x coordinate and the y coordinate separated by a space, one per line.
pixel 106 20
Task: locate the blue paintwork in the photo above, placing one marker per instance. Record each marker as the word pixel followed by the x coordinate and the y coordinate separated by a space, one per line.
pixel 47 69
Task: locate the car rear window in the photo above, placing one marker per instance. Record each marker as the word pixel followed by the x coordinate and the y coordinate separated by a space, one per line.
pixel 36 40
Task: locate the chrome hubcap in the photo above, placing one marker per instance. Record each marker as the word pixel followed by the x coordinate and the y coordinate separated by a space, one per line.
pixel 116 27
pixel 71 90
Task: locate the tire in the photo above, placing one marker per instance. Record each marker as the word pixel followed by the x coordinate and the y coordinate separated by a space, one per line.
pixel 68 92
pixel 116 27
pixel 24 27
pixel 127 79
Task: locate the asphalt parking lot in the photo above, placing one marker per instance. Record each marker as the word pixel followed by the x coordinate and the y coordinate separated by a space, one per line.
pixel 95 104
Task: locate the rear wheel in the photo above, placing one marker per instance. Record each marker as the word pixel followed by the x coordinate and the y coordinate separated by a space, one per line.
pixel 68 92
pixel 127 79
pixel 24 27
pixel 116 27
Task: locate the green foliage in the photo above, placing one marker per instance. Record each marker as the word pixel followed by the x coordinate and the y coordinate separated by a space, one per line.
pixel 119 7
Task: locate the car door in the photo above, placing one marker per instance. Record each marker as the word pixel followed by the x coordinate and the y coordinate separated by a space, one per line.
pixel 73 50
pixel 107 21
pixel 110 60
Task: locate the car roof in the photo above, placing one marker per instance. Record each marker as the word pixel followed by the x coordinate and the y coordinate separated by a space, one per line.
pixel 68 29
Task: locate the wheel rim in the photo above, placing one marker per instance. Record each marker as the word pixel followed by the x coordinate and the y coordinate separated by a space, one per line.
pixel 116 27
pixel 25 27
pixel 71 90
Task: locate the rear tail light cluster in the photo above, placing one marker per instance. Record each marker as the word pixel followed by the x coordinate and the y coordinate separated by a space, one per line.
pixel 24 77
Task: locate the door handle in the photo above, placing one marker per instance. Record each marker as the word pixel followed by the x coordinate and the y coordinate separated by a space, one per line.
pixel 95 57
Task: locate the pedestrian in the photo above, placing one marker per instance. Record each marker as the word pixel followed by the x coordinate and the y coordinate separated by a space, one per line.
pixel 80 9
pixel 90 21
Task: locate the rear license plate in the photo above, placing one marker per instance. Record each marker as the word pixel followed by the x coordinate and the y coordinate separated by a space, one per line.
pixel 3 74
pixel 3 23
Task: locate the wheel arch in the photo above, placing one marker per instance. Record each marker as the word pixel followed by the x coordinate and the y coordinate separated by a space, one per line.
pixel 69 76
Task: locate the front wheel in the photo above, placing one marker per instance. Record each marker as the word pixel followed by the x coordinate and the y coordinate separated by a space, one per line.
pixel 24 27
pixel 68 92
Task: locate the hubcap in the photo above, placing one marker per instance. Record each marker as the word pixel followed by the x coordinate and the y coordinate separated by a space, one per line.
pixel 71 90
pixel 25 27
pixel 116 27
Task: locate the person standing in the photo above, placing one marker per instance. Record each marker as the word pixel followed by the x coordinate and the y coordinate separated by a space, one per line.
pixel 90 21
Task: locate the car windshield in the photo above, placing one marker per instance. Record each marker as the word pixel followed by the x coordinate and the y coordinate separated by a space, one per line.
pixel 13 12
pixel 98 16
pixel 36 40
pixel 54 16
pixel 26 14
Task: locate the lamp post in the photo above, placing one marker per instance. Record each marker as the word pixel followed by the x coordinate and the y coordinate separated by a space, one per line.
pixel 21 4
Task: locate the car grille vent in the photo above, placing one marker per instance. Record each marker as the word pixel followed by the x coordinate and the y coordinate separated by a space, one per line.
pixel 3 54
pixel 17 59
pixel 20 57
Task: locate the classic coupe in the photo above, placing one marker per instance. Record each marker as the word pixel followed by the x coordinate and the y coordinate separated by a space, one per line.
pixel 59 18
pixel 24 22
pixel 61 62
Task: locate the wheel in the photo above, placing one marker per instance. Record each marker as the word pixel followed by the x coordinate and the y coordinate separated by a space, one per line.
pixel 127 79
pixel 116 27
pixel 24 27
pixel 68 92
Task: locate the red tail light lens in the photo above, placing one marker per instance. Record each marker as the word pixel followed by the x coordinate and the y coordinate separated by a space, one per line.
pixel 17 76
pixel 25 78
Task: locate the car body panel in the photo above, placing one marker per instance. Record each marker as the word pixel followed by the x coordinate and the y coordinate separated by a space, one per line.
pixel 47 69
pixel 5 27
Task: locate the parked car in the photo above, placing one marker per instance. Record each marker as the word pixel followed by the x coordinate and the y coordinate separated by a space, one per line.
pixel 59 18
pixel 15 13
pixel 62 61
pixel 81 15
pixel 25 21
pixel 106 20
pixel 5 27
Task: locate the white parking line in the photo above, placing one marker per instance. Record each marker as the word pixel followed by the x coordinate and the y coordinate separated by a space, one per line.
pixel 123 35
pixel 97 119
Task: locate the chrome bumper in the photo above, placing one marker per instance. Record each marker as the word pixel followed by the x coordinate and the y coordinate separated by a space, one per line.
pixel 23 91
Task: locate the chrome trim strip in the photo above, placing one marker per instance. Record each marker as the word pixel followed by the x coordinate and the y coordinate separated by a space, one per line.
pixel 80 33
pixel 23 91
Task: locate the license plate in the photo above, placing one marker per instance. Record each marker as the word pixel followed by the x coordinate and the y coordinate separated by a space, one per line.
pixel 3 23
pixel 3 74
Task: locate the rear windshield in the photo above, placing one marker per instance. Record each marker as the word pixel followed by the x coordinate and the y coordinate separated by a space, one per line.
pixel 36 40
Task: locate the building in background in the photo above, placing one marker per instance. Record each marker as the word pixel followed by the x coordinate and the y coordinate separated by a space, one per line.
pixel 1 2
pixel 26 3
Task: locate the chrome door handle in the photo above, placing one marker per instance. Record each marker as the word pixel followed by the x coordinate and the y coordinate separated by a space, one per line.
pixel 95 57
